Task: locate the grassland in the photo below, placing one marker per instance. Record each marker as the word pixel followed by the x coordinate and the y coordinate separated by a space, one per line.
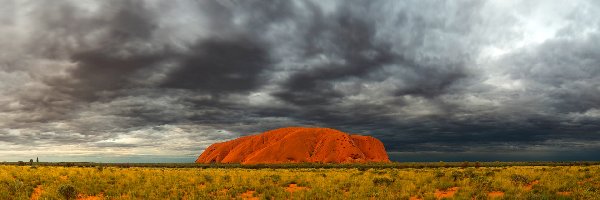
pixel 427 181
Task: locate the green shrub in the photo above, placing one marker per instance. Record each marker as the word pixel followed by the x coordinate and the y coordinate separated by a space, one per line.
pixel 275 178
pixel 519 179
pixel 226 178
pixel 439 174
pixel 208 178
pixel 457 175
pixel 67 191
pixel 481 183
pixel 444 185
pixel 380 181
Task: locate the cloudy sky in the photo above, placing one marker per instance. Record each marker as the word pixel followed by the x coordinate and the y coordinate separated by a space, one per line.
pixel 159 81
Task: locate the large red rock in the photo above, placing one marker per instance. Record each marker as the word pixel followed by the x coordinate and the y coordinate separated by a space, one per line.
pixel 297 144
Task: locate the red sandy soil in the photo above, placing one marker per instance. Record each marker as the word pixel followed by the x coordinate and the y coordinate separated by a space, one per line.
pixel 248 195
pixel 294 187
pixel 495 194
pixel 295 145
pixel 415 198
pixel 584 181
pixel 530 185
pixel 224 191
pixel 37 192
pixel 439 194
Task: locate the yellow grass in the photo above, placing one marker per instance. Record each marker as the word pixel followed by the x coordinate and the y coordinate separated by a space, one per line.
pixel 519 182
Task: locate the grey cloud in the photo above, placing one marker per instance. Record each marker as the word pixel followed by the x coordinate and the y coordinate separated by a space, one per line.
pixel 419 75
pixel 221 66
pixel 121 50
pixel 565 70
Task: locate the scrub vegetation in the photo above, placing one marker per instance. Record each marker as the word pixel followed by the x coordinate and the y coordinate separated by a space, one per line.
pixel 302 182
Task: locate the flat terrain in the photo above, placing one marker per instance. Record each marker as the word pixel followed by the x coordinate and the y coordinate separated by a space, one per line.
pixel 426 181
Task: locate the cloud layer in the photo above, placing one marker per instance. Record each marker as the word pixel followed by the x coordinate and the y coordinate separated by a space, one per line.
pixel 155 78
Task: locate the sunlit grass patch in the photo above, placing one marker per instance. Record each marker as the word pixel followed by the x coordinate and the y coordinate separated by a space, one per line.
pixel 518 182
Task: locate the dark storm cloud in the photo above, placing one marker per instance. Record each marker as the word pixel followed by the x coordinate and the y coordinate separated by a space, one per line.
pixel 136 76
pixel 348 37
pixel 221 66
pixel 122 49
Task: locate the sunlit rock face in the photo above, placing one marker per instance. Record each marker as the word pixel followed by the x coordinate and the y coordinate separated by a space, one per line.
pixel 296 145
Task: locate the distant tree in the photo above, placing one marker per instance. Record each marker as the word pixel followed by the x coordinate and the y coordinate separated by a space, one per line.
pixel 465 164
pixel 31 161
pixel 37 159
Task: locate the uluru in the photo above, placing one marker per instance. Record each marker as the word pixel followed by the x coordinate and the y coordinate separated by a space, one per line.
pixel 297 145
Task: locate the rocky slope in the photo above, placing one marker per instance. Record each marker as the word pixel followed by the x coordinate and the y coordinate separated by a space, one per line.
pixel 297 144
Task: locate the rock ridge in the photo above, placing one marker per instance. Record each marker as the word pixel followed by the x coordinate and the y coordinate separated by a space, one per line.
pixel 296 145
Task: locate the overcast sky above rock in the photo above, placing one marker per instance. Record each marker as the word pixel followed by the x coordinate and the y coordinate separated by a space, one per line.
pixel 159 78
